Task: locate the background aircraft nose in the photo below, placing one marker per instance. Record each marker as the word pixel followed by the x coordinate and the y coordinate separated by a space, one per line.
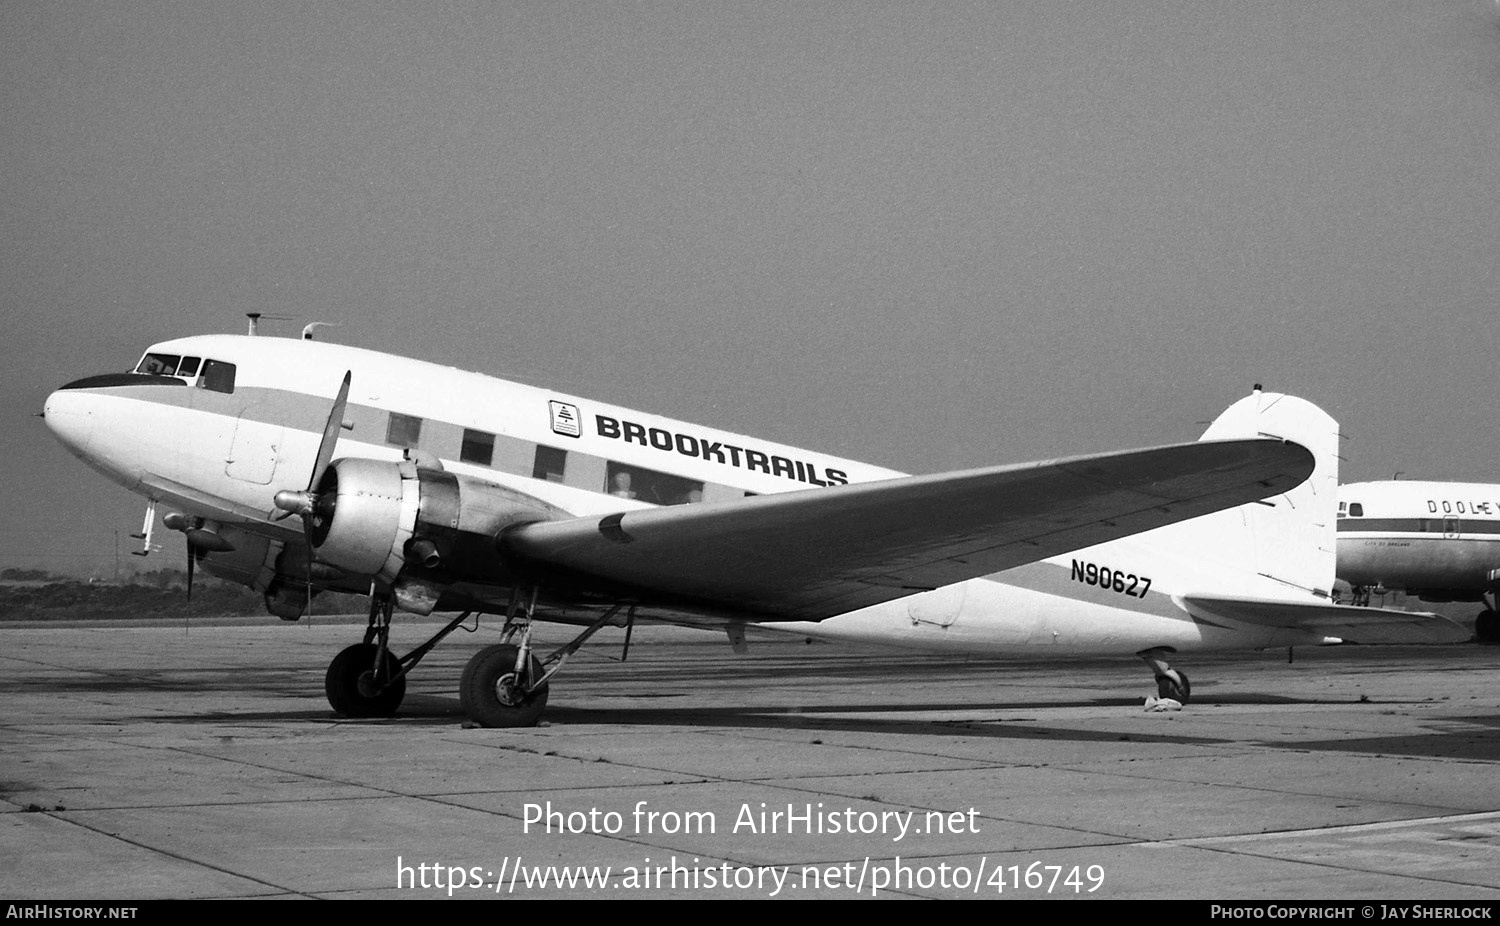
pixel 70 416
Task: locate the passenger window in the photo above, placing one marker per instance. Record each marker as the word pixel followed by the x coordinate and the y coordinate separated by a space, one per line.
pixel 218 376
pixel 478 447
pixel 648 485
pixel 403 430
pixel 550 464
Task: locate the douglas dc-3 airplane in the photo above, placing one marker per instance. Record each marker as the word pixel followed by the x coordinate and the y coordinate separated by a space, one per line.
pixel 295 466
pixel 1439 541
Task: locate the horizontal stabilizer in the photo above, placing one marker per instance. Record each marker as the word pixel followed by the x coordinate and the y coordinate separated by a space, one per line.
pixel 1348 623
pixel 812 554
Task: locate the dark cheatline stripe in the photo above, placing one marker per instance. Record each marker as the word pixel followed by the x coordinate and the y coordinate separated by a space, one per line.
pixel 1432 525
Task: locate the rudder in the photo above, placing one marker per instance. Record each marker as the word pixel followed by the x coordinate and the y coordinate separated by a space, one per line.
pixel 1280 547
pixel 1291 535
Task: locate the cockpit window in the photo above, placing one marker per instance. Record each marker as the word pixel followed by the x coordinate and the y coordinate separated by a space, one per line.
pixel 159 364
pixel 1356 510
pixel 185 368
pixel 218 376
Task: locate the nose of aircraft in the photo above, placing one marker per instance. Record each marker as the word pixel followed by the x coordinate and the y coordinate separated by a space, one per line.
pixel 69 415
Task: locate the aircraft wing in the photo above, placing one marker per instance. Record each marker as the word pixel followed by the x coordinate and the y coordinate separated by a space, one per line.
pixel 812 554
pixel 1348 623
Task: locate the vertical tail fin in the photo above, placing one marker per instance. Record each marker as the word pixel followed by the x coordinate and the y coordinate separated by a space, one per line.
pixel 1283 546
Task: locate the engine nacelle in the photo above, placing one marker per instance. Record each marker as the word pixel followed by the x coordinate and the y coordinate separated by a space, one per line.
pixel 377 518
pixel 247 559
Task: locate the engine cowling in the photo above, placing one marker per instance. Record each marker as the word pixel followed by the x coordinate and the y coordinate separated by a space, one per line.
pixel 379 518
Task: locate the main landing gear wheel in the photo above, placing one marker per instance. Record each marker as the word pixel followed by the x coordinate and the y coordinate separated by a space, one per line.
pixel 352 688
pixel 1178 689
pixel 1487 626
pixel 493 696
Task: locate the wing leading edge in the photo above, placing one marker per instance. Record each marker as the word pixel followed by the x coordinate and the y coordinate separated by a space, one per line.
pixel 813 554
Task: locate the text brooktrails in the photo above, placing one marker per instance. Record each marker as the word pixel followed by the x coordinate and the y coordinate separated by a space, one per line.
pixel 714 451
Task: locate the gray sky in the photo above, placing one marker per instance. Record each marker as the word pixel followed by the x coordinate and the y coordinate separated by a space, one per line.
pixel 927 235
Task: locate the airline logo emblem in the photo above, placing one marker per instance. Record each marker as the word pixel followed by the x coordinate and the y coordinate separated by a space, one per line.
pixel 565 419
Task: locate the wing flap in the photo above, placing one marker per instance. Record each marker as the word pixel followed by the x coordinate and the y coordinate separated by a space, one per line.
pixel 812 554
pixel 1348 623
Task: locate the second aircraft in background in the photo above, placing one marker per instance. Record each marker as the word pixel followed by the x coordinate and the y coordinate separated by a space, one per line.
pixel 1438 541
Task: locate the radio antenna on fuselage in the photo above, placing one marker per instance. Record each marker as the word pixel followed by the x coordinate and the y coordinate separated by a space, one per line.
pixel 255 318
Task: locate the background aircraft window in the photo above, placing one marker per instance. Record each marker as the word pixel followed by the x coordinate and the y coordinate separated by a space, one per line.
pixel 1356 510
pixel 550 464
pixel 188 367
pixel 478 447
pixel 648 485
pixel 403 430
pixel 159 364
pixel 218 376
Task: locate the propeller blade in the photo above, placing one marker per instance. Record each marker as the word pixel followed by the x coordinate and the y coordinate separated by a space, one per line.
pixel 330 434
pixel 288 502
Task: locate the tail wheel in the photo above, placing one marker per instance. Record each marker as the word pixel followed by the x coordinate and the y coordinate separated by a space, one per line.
pixel 492 694
pixel 352 688
pixel 1174 685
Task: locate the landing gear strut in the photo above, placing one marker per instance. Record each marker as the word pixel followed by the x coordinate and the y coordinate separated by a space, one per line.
pixel 367 679
pixel 505 685
pixel 1169 682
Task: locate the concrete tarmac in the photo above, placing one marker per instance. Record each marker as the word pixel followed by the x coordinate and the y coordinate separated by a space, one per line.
pixel 146 761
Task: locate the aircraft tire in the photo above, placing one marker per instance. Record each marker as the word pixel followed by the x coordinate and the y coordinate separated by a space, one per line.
pixel 1487 626
pixel 485 697
pixel 343 688
pixel 1178 689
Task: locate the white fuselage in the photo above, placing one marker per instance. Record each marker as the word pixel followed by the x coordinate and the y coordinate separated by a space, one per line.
pixel 222 455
